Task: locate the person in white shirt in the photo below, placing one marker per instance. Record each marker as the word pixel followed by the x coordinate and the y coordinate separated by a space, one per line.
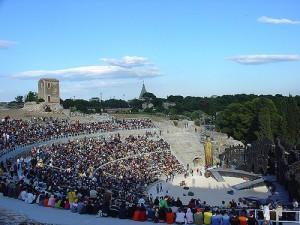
pixel 267 214
pixel 180 217
pixel 30 198
pixel 295 204
pixel 141 201
pixel 23 195
pixel 189 216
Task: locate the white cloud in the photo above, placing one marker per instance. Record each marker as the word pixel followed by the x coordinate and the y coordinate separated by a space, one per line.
pixel 127 67
pixel 266 19
pixel 6 44
pixel 75 87
pixel 263 59
pixel 127 61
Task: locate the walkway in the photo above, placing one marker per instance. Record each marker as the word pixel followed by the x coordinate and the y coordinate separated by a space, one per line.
pixel 8 217
pixel 185 143
pixel 56 216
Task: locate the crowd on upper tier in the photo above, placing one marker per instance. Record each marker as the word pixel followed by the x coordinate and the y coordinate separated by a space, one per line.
pixel 14 132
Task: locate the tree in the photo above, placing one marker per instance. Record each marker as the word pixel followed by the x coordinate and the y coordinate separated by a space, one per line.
pixel 264 121
pixel 235 120
pixel 266 113
pixel 19 99
pixel 115 103
pixel 31 97
pixel 149 95
pixel 292 119
pixel 175 98
pixel 136 104
pixel 195 115
pixel 197 122
pixel 173 111
pixel 252 120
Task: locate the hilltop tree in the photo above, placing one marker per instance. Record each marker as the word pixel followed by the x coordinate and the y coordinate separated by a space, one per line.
pixel 175 98
pixel 19 99
pixel 235 120
pixel 292 120
pixel 264 121
pixel 31 97
pixel 149 96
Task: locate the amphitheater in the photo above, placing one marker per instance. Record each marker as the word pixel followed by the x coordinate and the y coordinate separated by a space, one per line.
pixel 186 144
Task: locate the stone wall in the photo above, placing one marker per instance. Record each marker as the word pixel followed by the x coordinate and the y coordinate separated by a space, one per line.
pixel 256 157
pixel 41 107
pixel 267 158
pixel 288 169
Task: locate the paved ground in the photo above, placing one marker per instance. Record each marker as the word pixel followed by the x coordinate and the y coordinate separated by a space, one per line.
pixel 207 189
pixel 18 210
pixel 8 217
pixel 185 143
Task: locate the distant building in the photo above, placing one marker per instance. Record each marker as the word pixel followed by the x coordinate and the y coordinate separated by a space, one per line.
pixel 167 105
pixel 116 110
pixel 143 91
pixel 97 99
pixel 48 89
pixel 147 105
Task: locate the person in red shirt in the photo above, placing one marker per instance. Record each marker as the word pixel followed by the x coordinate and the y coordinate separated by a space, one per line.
pixel 170 216
pixel 243 219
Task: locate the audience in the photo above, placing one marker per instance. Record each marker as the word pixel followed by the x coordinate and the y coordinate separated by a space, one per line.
pixel 14 132
pixel 102 176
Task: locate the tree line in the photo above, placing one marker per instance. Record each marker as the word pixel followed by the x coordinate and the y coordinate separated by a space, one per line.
pixel 244 117
pixel 262 117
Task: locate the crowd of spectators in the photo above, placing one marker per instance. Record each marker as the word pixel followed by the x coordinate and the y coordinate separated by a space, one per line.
pixel 89 175
pixel 104 176
pixel 159 210
pixel 14 132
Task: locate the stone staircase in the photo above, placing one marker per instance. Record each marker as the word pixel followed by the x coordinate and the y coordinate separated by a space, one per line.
pixel 185 142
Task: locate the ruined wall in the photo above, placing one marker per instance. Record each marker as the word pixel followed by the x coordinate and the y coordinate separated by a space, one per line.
pixel 256 157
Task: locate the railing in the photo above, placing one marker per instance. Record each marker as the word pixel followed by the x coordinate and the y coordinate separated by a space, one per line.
pixel 288 216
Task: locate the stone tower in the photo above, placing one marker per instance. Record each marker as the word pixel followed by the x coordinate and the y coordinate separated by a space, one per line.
pixel 49 90
pixel 143 91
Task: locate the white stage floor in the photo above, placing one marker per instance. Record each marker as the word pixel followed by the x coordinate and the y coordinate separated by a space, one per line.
pixel 208 189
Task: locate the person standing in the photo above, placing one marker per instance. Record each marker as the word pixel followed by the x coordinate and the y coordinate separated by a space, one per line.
pixel 225 218
pixel 198 217
pixel 180 217
pixel 266 213
pixel 189 216
pixel 243 219
pixel 207 217
pixel 215 219
pixel 251 219
pixel 295 204
pixel 278 210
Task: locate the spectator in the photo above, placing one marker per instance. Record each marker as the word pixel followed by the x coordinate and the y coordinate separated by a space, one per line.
pixel 198 217
pixel 180 217
pixel 189 216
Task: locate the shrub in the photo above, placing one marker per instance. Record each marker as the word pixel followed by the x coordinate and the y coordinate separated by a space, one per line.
pixel 197 122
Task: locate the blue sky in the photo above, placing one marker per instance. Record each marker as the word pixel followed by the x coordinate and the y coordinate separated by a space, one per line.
pixel 191 47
